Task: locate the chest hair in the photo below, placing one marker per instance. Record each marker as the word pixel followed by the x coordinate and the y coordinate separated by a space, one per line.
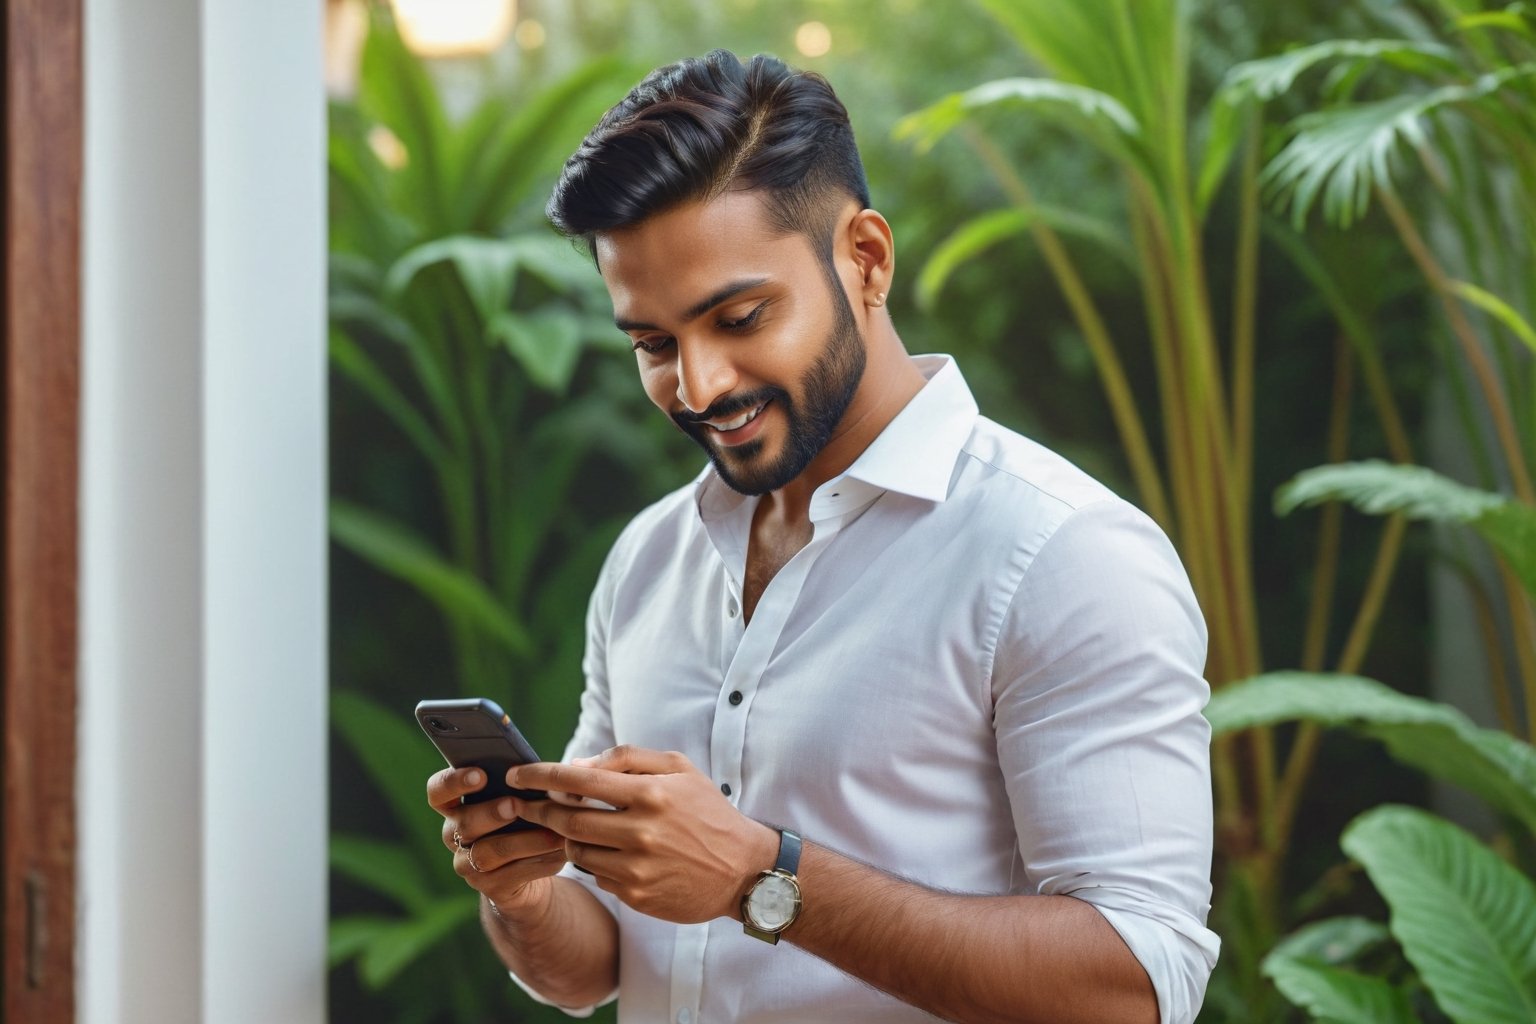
pixel 771 547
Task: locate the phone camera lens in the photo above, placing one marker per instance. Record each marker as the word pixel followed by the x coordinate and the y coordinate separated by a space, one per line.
pixel 442 725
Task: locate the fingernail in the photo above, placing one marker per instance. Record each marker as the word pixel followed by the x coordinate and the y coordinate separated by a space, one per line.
pixel 582 762
pixel 507 809
pixel 473 778
pixel 511 776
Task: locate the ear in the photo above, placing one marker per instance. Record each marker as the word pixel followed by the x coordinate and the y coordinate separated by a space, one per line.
pixel 873 249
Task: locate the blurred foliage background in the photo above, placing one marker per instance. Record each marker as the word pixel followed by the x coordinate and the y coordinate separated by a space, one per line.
pixel 488 437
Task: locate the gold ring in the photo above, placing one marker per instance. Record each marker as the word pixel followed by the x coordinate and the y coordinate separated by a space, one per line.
pixel 469 851
pixel 458 844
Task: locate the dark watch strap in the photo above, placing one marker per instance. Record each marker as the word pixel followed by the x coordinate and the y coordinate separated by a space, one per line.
pixel 789 852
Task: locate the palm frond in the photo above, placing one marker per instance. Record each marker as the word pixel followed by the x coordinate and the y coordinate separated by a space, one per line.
pixel 1345 152
pixel 1270 77
pixel 1096 115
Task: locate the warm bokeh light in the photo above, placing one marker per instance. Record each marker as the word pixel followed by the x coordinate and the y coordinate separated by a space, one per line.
pixel 446 28
pixel 529 34
pixel 813 39
pixel 386 145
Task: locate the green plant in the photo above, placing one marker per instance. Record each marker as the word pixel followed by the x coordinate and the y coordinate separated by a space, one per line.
pixel 1458 95
pixel 1119 81
pixel 1464 917
pixel 463 321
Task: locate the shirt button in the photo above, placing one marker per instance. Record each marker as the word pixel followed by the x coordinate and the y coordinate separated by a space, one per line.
pixel 725 787
pixel 735 697
pixel 731 607
pixel 684 1016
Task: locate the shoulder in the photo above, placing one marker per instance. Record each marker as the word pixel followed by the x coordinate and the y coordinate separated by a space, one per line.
pixel 1009 483
pixel 660 526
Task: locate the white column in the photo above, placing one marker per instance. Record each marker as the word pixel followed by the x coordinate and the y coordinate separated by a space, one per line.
pixel 202 734
pixel 264 529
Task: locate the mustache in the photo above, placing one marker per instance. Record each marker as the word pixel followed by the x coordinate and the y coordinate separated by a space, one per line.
pixel 730 405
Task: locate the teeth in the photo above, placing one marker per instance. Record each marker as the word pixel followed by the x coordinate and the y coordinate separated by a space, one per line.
pixel 738 422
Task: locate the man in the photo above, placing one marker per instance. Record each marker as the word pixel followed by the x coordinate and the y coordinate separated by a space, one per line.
pixel 887 681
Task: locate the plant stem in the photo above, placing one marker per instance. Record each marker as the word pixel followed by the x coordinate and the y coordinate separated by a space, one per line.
pixel 1244 302
pixel 1498 672
pixel 1522 627
pixel 1461 327
pixel 1303 752
pixel 1325 570
pixel 1122 403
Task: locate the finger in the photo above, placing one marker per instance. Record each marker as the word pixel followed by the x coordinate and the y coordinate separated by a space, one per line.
pixel 574 782
pixel 603 828
pixel 446 787
pixel 637 760
pixel 471 821
pixel 611 787
pixel 495 852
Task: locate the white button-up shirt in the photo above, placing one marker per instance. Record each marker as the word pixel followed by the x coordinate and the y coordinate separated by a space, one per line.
pixel 982 674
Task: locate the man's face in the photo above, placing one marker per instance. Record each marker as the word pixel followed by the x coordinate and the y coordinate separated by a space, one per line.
pixel 739 334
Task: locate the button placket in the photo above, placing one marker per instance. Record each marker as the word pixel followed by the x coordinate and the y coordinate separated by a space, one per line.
pixel 755 646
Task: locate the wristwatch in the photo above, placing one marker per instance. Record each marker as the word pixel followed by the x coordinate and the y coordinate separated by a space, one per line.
pixel 773 902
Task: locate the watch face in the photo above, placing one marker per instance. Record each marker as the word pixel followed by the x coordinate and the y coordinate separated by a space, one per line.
pixel 773 902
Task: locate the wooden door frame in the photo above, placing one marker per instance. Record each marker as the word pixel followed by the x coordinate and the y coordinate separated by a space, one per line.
pixel 43 97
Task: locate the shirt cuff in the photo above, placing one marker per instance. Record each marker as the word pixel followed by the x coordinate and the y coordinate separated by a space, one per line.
pixel 1175 949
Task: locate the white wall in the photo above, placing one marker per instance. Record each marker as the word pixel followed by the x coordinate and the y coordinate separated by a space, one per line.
pixel 202 734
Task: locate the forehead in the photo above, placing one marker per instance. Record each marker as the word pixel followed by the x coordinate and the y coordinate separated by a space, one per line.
pixel 669 259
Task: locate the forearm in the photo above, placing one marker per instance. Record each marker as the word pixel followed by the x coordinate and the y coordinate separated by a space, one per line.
pixel 566 946
pixel 969 958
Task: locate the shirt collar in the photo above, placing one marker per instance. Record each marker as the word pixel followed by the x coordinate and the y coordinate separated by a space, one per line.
pixel 915 453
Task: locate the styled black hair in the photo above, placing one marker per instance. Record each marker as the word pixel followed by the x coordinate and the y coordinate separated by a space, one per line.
pixel 695 129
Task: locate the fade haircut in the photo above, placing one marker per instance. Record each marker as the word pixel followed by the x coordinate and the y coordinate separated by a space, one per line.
pixel 698 128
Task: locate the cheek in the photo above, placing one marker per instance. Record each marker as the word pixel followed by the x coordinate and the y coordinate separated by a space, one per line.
pixel 660 384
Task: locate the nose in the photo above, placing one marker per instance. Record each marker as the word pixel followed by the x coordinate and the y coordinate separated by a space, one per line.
pixel 704 373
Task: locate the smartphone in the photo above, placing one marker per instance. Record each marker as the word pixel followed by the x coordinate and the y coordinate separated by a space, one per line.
pixel 476 733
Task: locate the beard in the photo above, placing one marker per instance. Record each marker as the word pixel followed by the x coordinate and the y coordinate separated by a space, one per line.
pixel 826 391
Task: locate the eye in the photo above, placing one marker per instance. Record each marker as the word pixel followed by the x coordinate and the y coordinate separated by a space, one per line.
pixel 652 346
pixel 745 322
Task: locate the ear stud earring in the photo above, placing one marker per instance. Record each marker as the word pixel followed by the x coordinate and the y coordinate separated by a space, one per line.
pixel 879 299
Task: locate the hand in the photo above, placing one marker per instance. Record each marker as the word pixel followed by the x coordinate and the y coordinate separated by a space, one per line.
pixel 513 870
pixel 673 847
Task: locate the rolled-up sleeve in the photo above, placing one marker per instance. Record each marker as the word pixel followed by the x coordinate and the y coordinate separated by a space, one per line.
pixel 1098 691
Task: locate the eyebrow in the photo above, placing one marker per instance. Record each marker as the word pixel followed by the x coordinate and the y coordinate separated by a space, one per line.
pixel 699 308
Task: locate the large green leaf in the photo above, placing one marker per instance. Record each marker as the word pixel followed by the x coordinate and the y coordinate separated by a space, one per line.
pixel 396 947
pixel 1382 488
pixel 393 549
pixel 349 358
pixel 1335 941
pixel 398 758
pixel 980 233
pixel 1435 738
pixel 506 147
pixel 393 88
pixel 547 342
pixel 486 266
pixel 1337 995
pixel 1466 919
pixel 1345 152
pixel 387 868
pixel 1133 50
pixel 1095 115
pixel 349 936
pixel 1269 77
pixel 1306 966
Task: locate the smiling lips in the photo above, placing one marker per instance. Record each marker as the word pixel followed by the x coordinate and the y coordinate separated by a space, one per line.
pixel 737 429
